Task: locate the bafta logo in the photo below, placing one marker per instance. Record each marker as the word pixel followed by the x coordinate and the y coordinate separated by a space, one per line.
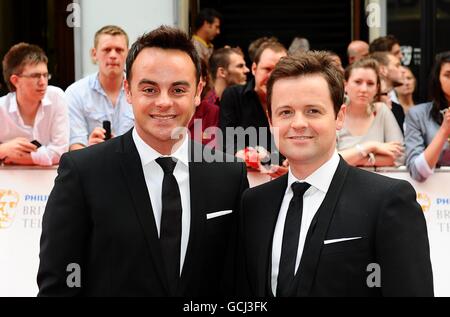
pixel 407 52
pixel 8 203
pixel 424 201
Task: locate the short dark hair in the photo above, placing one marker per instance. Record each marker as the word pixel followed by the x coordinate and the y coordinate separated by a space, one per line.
pixel 221 58
pixel 436 93
pixel 383 44
pixel 19 56
pixel 272 45
pixel 381 57
pixel 307 64
pixel 206 15
pixel 164 37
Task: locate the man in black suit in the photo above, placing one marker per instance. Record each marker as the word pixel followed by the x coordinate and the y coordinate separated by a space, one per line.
pixel 142 215
pixel 326 228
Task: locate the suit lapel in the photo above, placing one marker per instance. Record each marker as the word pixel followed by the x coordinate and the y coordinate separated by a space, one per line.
pixel 131 167
pixel 267 218
pixel 318 231
pixel 198 175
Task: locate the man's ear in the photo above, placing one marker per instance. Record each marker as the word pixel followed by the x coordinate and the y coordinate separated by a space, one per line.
pixel 198 94
pixel 341 117
pixel 383 70
pixel 94 55
pixel 253 69
pixel 221 72
pixel 14 79
pixel 126 86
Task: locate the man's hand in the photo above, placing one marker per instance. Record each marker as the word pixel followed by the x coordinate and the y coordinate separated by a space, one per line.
pixel 98 136
pixel 24 160
pixel 16 149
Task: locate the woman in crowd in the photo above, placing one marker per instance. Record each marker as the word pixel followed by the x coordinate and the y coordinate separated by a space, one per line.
pixel 371 135
pixel 427 134
pixel 405 92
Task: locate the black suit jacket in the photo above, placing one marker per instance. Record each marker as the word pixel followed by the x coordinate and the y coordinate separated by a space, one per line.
pixel 381 210
pixel 99 216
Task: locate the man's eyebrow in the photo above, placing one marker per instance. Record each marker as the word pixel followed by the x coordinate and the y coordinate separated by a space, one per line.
pixel 148 82
pixel 181 83
pixel 154 83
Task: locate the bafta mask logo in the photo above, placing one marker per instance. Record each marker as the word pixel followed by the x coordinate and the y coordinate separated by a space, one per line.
pixel 8 203
pixel 407 52
pixel 424 201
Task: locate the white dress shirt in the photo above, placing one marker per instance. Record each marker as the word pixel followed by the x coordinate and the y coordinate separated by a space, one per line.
pixel 320 181
pixel 154 175
pixel 51 125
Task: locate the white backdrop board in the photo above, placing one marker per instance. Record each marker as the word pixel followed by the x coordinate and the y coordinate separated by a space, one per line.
pixel 24 193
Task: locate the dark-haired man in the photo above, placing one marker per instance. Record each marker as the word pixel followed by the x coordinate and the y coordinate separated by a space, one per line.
pixel 207 28
pixel 144 214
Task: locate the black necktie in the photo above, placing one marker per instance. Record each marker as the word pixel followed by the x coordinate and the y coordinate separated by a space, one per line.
pixel 170 235
pixel 291 235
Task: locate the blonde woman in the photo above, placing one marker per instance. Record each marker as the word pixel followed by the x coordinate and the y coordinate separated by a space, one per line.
pixel 371 135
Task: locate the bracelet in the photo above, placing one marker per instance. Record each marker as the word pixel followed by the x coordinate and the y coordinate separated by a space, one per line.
pixel 361 150
pixel 371 159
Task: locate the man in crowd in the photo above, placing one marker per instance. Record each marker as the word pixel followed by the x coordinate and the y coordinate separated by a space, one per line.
pixel 34 123
pixel 388 43
pixel 357 50
pixel 245 107
pixel 207 28
pixel 101 96
pixel 391 76
pixel 227 68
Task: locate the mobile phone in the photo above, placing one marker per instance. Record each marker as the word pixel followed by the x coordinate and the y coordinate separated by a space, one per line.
pixel 38 145
pixel 107 127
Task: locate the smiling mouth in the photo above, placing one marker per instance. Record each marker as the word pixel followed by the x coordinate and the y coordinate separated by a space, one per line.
pixel 162 117
pixel 300 137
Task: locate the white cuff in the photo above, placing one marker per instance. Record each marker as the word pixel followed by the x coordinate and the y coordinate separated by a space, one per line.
pixel 422 166
pixel 42 157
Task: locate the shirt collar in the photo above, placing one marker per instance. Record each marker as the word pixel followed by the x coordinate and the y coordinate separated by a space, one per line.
pixel 148 154
pixel 321 178
pixel 199 39
pixel 14 107
pixel 94 84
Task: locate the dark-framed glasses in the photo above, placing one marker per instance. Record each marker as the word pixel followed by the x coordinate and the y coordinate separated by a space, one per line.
pixel 37 76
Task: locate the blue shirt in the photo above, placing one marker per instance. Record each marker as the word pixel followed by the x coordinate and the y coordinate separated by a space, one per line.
pixel 89 106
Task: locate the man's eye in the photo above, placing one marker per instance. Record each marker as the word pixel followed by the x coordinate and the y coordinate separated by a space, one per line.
pixel 313 111
pixel 284 113
pixel 179 90
pixel 149 90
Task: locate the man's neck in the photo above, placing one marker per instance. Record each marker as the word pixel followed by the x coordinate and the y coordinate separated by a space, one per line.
pixel 111 84
pixel 219 87
pixel 302 170
pixel 164 148
pixel 27 108
pixel 388 85
pixel 202 34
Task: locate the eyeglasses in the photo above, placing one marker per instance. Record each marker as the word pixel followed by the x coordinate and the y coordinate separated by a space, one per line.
pixel 37 76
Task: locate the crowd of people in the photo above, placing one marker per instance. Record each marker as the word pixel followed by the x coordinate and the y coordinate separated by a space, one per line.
pixel 40 122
